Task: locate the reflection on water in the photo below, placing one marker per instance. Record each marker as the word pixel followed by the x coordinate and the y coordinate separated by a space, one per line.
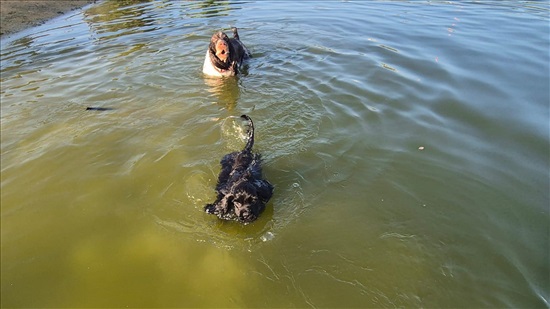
pixel 111 19
pixel 407 142
pixel 226 91
pixel 211 9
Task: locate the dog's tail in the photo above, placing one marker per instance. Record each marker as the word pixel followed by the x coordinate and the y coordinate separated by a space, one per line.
pixel 250 132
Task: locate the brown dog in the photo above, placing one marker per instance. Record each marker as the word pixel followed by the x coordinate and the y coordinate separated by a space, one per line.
pixel 224 55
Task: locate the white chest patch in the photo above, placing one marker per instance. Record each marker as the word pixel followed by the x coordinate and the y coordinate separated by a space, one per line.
pixel 209 69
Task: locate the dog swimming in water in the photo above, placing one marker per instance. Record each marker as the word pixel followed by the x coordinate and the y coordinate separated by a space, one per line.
pixel 242 192
pixel 224 55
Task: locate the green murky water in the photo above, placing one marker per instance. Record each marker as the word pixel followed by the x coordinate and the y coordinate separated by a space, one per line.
pixel 407 142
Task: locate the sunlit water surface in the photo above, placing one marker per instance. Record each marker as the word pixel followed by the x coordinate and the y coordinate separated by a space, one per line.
pixel 407 143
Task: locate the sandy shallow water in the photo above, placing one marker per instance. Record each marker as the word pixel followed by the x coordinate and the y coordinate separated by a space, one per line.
pixel 19 15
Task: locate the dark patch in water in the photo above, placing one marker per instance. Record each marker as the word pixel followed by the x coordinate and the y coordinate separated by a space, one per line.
pixel 100 109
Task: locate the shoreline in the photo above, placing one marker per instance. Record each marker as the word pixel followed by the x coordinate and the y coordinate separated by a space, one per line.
pixel 17 15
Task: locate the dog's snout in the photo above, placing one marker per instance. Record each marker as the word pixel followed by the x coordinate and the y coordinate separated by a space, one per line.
pixel 246 216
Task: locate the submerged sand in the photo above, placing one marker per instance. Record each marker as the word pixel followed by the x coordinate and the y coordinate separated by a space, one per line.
pixel 19 15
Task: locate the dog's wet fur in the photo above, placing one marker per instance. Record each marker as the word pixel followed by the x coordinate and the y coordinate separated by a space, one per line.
pixel 242 193
pixel 225 55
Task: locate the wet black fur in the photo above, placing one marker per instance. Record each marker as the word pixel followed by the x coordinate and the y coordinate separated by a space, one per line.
pixel 242 193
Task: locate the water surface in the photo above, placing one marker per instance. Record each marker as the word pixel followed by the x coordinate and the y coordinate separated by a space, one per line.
pixel 407 142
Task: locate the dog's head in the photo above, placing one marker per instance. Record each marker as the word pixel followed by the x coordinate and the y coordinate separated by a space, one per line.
pixel 220 47
pixel 242 204
pixel 247 206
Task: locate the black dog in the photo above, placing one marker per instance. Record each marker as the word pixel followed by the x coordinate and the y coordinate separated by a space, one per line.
pixel 242 193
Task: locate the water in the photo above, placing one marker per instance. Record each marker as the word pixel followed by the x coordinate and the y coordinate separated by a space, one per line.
pixel 407 142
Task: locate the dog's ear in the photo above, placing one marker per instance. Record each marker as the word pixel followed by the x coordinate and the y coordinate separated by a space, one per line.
pixel 264 189
pixel 210 208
